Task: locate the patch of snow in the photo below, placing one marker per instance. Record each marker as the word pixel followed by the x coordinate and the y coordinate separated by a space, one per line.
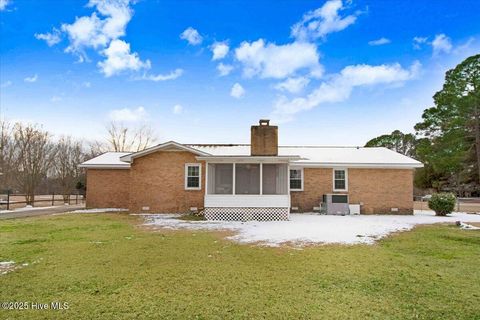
pixel 28 208
pixel 304 229
pixel 466 226
pixel 6 267
pixel 100 210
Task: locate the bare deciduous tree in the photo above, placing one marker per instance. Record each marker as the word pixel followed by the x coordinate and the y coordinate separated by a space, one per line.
pixel 96 148
pixel 7 163
pixel 34 154
pixel 125 139
pixel 68 155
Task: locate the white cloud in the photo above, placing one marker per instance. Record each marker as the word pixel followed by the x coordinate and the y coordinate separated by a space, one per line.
pixel 322 21
pixel 51 38
pixel 219 50
pixel 379 42
pixel 192 36
pixel 441 43
pixel 94 32
pixel 237 91
pixel 177 109
pixel 33 78
pixel 119 59
pixel 339 87
pixel 293 85
pixel 6 84
pixel 277 61
pixel 101 31
pixel 418 41
pixel 3 4
pixel 224 69
pixel 163 77
pixel 55 99
pixel 128 115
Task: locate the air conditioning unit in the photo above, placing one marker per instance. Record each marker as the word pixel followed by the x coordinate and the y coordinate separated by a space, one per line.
pixel 335 204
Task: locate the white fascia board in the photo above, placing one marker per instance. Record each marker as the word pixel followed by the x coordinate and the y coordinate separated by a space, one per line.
pixel 249 159
pixel 130 157
pixel 104 166
pixel 359 165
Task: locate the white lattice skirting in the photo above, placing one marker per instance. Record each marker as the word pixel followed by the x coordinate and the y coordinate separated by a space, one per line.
pixel 247 214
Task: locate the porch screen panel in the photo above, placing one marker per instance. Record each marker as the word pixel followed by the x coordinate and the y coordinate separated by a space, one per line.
pixel 275 179
pixel 247 178
pixel 220 178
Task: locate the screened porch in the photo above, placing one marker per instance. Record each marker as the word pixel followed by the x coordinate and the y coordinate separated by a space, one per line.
pixel 247 179
pixel 247 191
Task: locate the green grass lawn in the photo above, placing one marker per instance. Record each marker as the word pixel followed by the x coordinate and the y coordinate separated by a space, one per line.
pixel 106 266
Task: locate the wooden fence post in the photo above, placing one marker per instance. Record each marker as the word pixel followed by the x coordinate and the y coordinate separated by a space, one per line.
pixel 8 199
pixel 53 199
pixel 76 198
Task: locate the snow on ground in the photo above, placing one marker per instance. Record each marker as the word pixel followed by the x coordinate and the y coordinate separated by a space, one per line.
pixel 27 208
pixel 6 267
pixel 9 266
pixel 99 210
pixel 467 226
pixel 304 229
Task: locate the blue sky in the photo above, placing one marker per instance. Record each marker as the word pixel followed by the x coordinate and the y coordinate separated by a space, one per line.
pixel 328 72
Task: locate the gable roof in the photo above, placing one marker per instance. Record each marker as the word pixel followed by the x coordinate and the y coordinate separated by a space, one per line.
pixel 307 156
pixel 170 145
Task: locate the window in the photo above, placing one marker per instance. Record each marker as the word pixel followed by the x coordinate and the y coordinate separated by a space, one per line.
pixel 192 176
pixel 296 179
pixel 340 180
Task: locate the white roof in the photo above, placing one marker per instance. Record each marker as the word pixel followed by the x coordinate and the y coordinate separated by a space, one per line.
pixel 107 160
pixel 325 156
pixel 311 156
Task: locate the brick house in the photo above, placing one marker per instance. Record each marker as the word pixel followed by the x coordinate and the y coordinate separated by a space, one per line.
pixel 260 181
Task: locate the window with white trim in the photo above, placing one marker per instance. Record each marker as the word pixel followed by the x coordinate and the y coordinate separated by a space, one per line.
pixel 339 180
pixel 296 179
pixel 193 174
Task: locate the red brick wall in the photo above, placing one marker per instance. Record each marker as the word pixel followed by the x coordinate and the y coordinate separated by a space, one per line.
pixel 108 188
pixel 317 181
pixel 379 190
pixel 158 181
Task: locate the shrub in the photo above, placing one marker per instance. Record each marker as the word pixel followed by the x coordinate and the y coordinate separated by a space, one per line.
pixel 442 203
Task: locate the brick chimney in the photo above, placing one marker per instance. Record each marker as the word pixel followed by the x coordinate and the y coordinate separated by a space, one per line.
pixel 264 139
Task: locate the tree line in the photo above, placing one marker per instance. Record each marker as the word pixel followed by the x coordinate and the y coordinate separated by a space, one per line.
pixel 34 161
pixel 447 140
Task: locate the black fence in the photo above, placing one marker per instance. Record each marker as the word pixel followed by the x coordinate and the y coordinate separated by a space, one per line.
pixel 10 200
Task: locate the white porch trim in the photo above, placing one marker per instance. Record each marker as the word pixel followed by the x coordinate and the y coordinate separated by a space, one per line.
pixel 247 201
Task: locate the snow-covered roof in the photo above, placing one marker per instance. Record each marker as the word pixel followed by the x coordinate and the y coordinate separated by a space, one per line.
pixel 310 156
pixel 325 156
pixel 107 160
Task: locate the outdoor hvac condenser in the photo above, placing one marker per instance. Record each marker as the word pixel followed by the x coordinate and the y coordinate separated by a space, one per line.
pixel 335 204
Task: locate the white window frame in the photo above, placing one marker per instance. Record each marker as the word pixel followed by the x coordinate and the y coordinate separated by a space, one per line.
pixel 199 166
pixel 301 177
pixel 346 178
